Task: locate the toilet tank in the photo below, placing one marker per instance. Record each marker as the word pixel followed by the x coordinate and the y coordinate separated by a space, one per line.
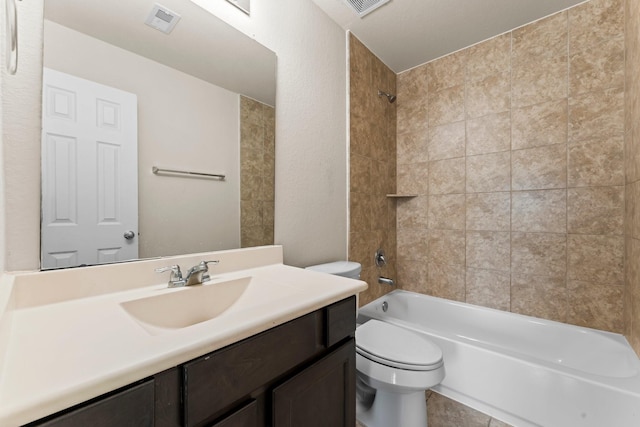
pixel 348 269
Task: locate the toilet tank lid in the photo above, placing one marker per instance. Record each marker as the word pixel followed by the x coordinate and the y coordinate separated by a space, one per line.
pixel 340 268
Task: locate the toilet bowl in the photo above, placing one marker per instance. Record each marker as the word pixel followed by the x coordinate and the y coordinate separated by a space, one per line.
pixel 395 367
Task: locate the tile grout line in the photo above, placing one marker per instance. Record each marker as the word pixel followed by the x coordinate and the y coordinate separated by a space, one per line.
pixel 510 171
pixel 566 279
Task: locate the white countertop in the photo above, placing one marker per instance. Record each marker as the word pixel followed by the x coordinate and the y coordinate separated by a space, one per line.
pixel 57 353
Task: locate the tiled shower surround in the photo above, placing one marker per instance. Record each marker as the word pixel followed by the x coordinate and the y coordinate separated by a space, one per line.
pixel 372 168
pixel 632 174
pixel 524 151
pixel 257 172
pixel 515 147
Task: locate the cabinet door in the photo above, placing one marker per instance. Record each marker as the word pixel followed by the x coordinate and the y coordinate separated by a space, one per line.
pixel 322 395
pixel 247 416
pixel 132 407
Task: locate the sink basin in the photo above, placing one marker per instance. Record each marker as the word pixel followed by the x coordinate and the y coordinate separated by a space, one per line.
pixel 187 306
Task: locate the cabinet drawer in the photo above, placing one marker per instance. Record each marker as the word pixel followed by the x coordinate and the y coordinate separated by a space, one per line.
pixel 132 407
pixel 341 321
pixel 214 382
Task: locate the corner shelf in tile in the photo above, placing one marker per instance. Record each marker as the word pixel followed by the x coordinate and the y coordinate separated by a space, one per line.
pixel 401 196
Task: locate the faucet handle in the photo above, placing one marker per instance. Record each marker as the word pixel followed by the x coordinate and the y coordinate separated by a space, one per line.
pixel 379 258
pixel 175 270
pixel 175 279
pixel 206 263
pixel 204 266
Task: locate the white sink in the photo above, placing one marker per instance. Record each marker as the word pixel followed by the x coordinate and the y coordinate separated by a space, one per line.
pixel 182 307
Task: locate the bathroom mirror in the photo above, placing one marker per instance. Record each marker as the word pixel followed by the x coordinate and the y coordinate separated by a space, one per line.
pixel 198 93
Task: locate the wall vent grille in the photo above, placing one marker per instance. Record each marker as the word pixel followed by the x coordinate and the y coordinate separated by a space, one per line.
pixel 364 7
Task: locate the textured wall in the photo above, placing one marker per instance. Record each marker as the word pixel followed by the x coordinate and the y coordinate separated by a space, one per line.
pixel 372 161
pixel 311 124
pixel 632 169
pixel 21 98
pixel 257 172
pixel 515 147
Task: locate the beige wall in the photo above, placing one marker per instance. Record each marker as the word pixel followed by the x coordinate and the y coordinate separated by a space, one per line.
pixel 184 123
pixel 257 172
pixel 21 99
pixel 632 169
pixel 372 163
pixel 515 147
pixel 311 124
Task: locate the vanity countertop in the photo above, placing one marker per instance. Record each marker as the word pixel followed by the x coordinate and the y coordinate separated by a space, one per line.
pixel 58 349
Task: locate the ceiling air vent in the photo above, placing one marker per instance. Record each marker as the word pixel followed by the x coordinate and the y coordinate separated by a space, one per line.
pixel 162 19
pixel 364 7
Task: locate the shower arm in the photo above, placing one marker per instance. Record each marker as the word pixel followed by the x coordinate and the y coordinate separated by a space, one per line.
pixel 391 98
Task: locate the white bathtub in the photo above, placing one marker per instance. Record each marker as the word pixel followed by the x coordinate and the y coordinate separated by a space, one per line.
pixel 523 370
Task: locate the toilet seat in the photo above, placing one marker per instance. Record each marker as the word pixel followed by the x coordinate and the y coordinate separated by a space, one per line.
pixel 397 347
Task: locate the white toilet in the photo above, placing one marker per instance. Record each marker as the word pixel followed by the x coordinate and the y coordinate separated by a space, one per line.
pixel 395 366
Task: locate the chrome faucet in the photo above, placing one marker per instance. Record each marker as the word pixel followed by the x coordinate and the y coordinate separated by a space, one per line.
pixel 385 281
pixel 195 276
pixel 199 274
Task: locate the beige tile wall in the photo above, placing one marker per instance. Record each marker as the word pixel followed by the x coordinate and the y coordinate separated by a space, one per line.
pixel 257 172
pixel 372 167
pixel 515 147
pixel 519 148
pixel 632 173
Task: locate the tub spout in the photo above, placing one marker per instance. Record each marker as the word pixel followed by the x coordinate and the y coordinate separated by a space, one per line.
pixel 385 281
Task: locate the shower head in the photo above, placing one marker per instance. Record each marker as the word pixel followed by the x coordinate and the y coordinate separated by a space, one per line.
pixel 391 98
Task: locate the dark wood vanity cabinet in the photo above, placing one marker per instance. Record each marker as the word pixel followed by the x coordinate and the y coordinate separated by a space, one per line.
pixel 301 373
